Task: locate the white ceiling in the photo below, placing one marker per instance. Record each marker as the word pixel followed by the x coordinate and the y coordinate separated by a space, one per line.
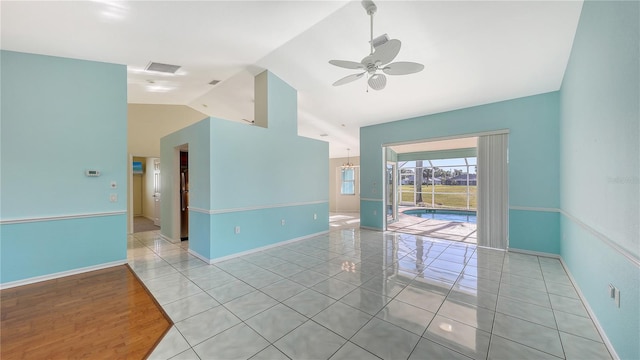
pixel 474 52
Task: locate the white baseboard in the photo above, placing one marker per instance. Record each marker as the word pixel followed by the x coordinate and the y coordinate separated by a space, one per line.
pixel 170 239
pixel 370 228
pixel 535 253
pixel 61 274
pixel 262 248
pixel 490 248
pixel 584 301
pixel 607 343
pixel 199 256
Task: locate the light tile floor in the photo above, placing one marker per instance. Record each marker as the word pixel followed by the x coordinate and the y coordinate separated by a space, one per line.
pixel 359 294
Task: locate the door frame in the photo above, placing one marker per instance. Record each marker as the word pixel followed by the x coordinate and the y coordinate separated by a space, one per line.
pixel 451 137
pixel 393 187
pixel 157 194
pixel 169 182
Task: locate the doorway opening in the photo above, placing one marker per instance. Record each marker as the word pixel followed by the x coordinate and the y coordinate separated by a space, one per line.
pixel 144 194
pixel 431 189
pixel 467 176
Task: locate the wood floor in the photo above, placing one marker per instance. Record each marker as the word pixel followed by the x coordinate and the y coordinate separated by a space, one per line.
pixel 103 314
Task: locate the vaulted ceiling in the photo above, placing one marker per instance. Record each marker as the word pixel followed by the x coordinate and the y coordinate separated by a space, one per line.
pixel 474 52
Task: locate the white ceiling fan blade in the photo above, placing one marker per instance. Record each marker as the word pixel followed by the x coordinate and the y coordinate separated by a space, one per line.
pixel 346 64
pixel 386 52
pixel 377 81
pixel 402 68
pixel 348 79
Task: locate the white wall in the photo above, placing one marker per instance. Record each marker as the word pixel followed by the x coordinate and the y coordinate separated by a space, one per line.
pixel 147 123
pixel 138 189
pixel 338 202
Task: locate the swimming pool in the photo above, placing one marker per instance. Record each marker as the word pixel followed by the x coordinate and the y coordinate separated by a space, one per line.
pixel 445 215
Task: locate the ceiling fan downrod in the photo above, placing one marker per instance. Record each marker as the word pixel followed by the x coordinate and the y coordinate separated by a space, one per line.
pixel 371 9
pixel 382 51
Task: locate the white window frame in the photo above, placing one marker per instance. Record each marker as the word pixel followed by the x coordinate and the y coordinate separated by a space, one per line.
pixel 354 181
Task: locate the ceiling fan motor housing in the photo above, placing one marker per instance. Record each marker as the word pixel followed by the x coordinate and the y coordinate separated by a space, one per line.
pixel 380 40
pixel 383 51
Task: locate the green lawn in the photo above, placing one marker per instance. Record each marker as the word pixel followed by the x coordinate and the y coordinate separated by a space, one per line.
pixel 446 195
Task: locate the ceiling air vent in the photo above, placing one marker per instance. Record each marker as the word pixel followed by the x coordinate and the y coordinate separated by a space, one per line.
pixel 164 68
pixel 214 82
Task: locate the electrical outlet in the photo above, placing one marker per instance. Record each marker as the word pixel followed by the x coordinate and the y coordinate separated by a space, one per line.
pixel 237 229
pixel 113 198
pixel 315 216
pixel 375 212
pixel 282 222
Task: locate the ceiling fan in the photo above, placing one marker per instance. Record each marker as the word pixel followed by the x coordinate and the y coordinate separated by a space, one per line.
pixel 383 51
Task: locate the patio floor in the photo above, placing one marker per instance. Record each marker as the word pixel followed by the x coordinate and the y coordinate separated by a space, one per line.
pixel 450 230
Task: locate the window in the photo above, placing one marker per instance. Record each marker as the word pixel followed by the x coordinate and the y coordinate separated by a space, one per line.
pixel 439 183
pixel 348 181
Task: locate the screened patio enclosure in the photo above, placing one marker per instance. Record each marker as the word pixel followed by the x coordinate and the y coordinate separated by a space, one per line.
pixel 462 175
pixel 438 183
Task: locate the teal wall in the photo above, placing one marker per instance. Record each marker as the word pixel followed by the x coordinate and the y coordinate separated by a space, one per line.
pixel 263 227
pixel 260 177
pixel 533 158
pixel 537 230
pixel 253 166
pixel 60 117
pixel 600 166
pixel 251 177
pixel 42 248
pixel 282 105
pixel 196 136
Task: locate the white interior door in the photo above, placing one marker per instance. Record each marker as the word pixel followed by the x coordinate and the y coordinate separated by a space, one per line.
pixel 156 192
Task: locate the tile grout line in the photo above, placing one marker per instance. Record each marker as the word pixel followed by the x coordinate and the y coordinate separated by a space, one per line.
pixel 495 311
pixel 330 246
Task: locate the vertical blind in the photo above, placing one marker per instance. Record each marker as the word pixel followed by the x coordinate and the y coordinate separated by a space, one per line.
pixel 493 191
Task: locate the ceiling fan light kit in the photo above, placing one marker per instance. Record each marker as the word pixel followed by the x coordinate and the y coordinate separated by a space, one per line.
pixel 377 81
pixel 383 51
